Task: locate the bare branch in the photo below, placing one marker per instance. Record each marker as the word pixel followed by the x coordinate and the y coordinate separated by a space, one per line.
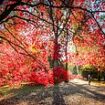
pixel 98 24
pixel 8 10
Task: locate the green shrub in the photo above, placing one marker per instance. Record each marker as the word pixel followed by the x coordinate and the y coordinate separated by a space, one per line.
pixel 88 69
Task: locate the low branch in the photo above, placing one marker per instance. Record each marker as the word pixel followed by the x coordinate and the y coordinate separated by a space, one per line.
pixel 98 24
pixel 8 10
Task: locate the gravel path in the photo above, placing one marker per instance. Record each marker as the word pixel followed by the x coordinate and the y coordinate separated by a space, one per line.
pixel 76 92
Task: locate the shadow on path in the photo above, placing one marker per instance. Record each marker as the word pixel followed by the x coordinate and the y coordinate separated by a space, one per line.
pixel 58 96
pixel 54 95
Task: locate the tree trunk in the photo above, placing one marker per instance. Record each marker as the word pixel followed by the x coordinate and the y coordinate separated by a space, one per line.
pixel 66 51
pixel 99 76
pixel 55 59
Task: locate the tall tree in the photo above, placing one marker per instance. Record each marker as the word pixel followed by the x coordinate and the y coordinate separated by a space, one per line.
pixel 63 19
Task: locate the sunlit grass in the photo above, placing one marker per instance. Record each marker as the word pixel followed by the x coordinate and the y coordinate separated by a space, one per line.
pixel 98 83
pixel 18 91
pixel 4 90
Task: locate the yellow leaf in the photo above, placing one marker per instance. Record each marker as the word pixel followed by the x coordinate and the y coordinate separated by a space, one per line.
pixel 33 49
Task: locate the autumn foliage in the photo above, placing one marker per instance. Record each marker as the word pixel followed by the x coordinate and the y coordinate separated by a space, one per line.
pixel 37 36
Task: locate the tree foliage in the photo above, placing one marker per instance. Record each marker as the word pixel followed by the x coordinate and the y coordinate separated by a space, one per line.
pixel 39 33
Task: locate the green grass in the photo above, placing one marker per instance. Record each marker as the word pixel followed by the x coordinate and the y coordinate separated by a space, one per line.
pixel 5 90
pixel 21 91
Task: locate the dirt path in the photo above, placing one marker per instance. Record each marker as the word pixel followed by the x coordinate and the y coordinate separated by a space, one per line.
pixel 76 92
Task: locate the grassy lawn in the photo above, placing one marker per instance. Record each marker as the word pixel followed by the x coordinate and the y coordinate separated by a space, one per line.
pixel 97 83
pixel 5 90
pixel 67 93
pixel 26 89
pixel 18 91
